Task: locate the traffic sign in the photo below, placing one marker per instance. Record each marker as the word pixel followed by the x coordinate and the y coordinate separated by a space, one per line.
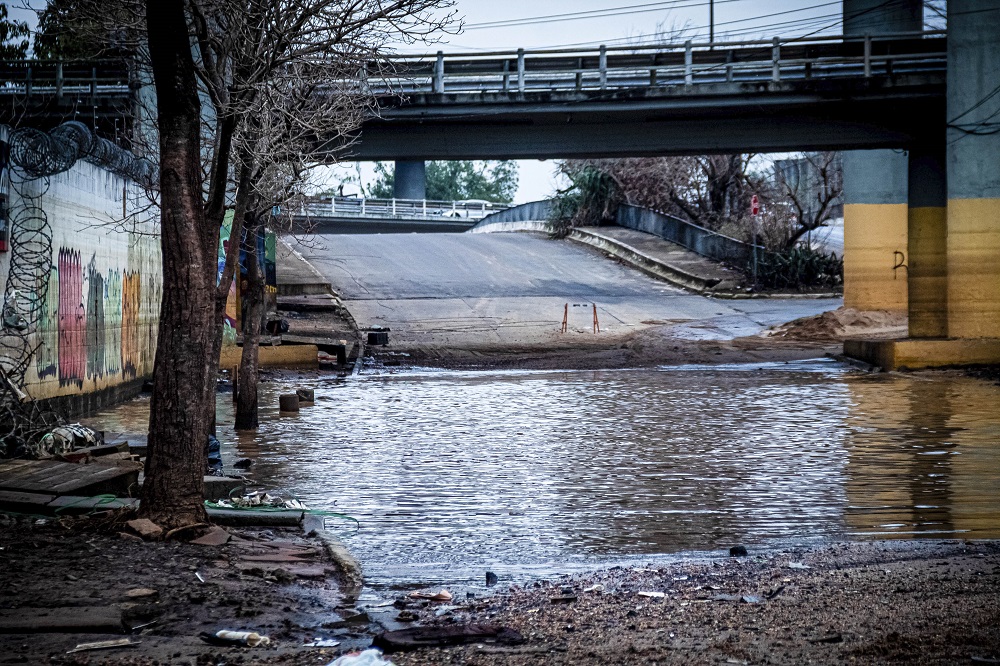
pixel 754 205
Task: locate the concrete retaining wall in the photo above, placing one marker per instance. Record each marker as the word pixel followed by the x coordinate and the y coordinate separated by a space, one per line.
pixel 697 239
pixel 98 326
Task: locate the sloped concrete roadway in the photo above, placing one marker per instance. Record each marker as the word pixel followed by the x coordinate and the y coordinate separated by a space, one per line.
pixel 483 290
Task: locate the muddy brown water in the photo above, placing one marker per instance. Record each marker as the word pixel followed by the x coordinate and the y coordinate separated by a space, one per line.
pixel 532 473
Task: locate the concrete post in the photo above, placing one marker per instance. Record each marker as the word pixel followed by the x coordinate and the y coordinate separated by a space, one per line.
pixel 875 184
pixel 973 162
pixel 927 264
pixel 410 180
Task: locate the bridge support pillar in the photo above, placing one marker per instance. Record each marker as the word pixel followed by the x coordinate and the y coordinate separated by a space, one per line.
pixel 927 230
pixel 971 290
pixel 410 180
pixel 973 169
pixel 875 223
pixel 875 184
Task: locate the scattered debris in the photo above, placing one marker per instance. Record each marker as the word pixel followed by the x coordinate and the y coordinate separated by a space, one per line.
pixel 258 499
pixel 443 595
pixel 104 645
pixel 421 637
pixel 216 536
pixel 751 599
pixel 322 643
pixel 653 595
pixel 564 599
pixel 366 658
pixel 491 579
pixel 738 551
pixel 142 593
pixel 594 588
pixel 798 565
pixel 229 637
pixel 245 463
pixel 832 638
pixel 145 528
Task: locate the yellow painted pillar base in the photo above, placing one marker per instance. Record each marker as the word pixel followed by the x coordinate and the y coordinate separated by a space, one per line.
pixel 280 356
pixel 875 241
pixel 913 354
pixel 974 268
pixel 927 272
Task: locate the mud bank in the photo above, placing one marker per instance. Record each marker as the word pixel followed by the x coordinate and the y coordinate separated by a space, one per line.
pixel 902 602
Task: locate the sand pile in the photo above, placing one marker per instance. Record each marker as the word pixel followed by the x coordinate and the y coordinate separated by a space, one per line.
pixel 843 323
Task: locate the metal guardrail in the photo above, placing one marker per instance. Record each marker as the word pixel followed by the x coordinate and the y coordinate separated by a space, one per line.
pixel 31 78
pixel 553 70
pixel 403 209
pixel 611 68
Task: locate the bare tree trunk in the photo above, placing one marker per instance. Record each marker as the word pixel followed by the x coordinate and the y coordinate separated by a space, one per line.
pixel 172 493
pixel 246 399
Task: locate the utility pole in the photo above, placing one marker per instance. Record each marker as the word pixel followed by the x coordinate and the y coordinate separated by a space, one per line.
pixel 711 24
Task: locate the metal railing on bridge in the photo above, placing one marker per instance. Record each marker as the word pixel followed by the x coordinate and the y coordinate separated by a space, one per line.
pixel 95 78
pixel 622 67
pixel 402 209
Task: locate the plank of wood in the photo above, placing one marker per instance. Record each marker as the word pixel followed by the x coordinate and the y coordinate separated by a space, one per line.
pixel 85 619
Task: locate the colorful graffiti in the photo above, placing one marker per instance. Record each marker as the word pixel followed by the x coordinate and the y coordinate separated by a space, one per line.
pixel 72 358
pixel 100 326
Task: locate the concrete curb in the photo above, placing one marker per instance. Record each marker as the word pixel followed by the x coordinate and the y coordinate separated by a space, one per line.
pixel 351 576
pixel 320 286
pixel 617 249
pixel 647 264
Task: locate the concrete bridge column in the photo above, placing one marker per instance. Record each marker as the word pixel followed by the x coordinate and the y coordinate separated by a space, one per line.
pixel 410 180
pixel 875 184
pixel 927 230
pixel 875 222
pixel 973 169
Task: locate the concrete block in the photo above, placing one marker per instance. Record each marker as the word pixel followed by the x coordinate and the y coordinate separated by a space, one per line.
pixel 221 487
pixel 913 354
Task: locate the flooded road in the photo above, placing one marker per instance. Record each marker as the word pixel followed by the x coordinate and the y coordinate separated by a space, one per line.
pixel 522 473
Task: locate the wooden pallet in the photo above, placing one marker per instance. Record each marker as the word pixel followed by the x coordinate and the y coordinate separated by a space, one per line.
pixel 60 478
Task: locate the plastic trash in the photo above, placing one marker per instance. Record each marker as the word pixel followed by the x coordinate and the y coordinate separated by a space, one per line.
pixel 229 637
pixel 214 450
pixel 366 658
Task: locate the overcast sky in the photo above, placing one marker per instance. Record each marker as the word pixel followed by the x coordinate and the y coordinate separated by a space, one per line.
pixel 492 25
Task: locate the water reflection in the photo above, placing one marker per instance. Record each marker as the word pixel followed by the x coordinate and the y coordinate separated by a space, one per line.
pixel 451 473
pixel 931 465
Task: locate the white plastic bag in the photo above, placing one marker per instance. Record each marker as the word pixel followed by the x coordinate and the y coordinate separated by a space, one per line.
pixel 367 658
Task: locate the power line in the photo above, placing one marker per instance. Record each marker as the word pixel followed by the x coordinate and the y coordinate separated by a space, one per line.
pixel 595 13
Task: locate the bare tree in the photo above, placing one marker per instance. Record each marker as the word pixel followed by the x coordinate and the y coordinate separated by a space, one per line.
pixel 242 69
pixel 812 184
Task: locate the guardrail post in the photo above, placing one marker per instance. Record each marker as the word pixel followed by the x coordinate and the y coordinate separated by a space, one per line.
pixel 506 75
pixel 688 64
pixel 425 208
pixel 603 66
pixel 27 81
pixel 93 86
pixel 579 73
pixel 439 73
pixel 394 205
pixel 868 56
pixel 362 206
pixel 520 71
pixel 729 66
pixel 775 58
pixel 333 205
pixel 59 81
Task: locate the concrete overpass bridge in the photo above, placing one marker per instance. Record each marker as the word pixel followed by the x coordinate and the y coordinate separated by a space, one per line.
pixel 930 102
pixel 762 96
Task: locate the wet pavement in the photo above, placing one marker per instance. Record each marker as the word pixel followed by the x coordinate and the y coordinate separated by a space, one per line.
pixel 511 289
pixel 532 473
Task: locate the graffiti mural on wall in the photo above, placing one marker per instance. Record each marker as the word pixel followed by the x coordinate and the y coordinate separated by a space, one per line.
pixel 71 313
pixel 100 325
